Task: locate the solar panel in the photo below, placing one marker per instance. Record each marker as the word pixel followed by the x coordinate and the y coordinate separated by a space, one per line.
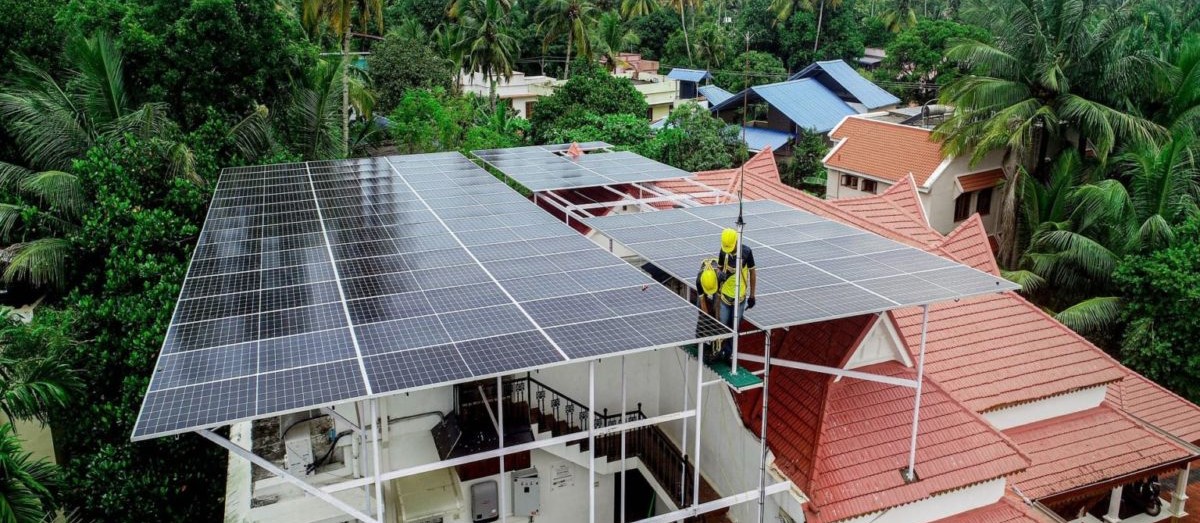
pixel 809 268
pixel 544 168
pixel 326 282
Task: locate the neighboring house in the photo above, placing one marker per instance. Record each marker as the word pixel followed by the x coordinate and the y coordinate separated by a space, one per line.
pixel 874 152
pixel 689 81
pixel 713 94
pixel 871 58
pixel 660 91
pixel 521 91
pixel 1021 417
pixel 813 100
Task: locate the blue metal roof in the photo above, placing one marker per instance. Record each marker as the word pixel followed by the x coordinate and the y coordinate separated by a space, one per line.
pixel 714 94
pixel 758 138
pixel 866 93
pixel 806 103
pixel 689 75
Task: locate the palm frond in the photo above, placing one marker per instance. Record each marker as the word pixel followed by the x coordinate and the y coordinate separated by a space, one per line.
pixel 101 76
pixel 1091 315
pixel 252 134
pixel 39 262
pixel 60 190
pixel 1029 281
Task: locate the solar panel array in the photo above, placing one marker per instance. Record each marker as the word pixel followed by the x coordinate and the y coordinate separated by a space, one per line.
pixel 541 168
pixel 809 269
pixel 332 281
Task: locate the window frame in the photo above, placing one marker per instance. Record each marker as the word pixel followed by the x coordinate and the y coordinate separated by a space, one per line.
pixel 850 180
pixel 874 186
pixel 983 201
pixel 962 206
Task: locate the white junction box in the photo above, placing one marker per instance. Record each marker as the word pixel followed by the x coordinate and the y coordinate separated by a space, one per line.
pixel 526 492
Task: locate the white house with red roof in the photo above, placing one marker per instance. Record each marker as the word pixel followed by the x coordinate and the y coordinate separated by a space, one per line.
pixel 873 152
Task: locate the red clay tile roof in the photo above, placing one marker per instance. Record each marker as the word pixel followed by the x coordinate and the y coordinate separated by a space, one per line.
pixel 1087 447
pixel 1008 510
pixel 897 209
pixel 844 442
pixel 884 150
pixel 999 350
pixel 983 180
pixel 1150 402
pixel 969 244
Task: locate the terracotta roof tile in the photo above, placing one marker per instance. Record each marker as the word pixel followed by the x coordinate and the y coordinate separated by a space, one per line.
pixel 1150 402
pixel 969 244
pixel 1008 510
pixel 981 180
pixel 1088 447
pixel 884 150
pixel 897 209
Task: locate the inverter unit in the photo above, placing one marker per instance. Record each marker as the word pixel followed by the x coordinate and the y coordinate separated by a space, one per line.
pixel 485 501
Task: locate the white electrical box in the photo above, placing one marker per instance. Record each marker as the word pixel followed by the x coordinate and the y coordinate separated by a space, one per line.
pixel 526 492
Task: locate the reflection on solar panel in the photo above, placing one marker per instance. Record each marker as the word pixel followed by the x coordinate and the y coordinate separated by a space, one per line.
pixel 331 281
pixel 809 268
pixel 539 168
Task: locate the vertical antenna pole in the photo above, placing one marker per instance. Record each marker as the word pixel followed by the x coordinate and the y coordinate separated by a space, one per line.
pixel 762 431
pixel 737 282
pixel 912 449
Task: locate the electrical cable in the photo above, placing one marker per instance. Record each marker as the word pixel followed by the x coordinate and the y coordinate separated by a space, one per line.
pixel 312 467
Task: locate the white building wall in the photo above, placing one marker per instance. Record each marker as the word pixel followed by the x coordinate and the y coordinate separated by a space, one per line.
pixel 943 190
pixel 641 382
pixel 1046 408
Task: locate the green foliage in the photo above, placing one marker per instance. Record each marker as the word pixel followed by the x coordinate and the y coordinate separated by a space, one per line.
pixel 755 17
pixel 654 30
pixel 750 69
pixel 1161 293
pixel 427 121
pixel 804 170
pixel 429 13
pixel 694 140
pixel 26 485
pixel 917 55
pixel 590 91
pixel 487 44
pixel 616 129
pixel 29 30
pixel 398 64
pixel 134 242
pixel 841 37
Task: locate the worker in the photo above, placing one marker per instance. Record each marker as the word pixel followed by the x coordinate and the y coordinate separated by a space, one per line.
pixel 735 288
pixel 707 289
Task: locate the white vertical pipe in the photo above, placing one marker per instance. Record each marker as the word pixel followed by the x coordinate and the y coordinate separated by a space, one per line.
pixel 375 433
pixel 503 506
pixel 683 423
pixel 912 446
pixel 762 431
pixel 737 293
pixel 699 425
pixel 622 520
pixel 591 441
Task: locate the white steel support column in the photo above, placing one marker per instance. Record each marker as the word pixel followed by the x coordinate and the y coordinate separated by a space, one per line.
pixel 1179 496
pixel 762 430
pixel 591 421
pixel 683 447
pixel 699 426
pixel 912 446
pixel 1114 505
pixel 623 408
pixel 503 505
pixel 286 476
pixel 376 434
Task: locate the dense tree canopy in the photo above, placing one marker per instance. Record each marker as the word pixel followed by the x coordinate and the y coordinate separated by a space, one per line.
pixel 590 91
pixel 398 64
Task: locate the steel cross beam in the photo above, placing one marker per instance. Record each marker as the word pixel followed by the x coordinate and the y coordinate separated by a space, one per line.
pixel 286 476
pixel 718 504
pixel 844 373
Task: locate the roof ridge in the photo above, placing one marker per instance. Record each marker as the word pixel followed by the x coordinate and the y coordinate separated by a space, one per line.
pixel 972 231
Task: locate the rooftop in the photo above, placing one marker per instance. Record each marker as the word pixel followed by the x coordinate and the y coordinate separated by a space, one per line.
pixel 884 150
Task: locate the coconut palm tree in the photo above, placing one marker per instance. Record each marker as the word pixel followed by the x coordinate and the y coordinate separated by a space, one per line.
pixel 487 44
pixel 26 484
pixel 573 18
pixel 54 122
pixel 338 15
pixel 783 10
pixel 682 6
pixel 712 45
pixel 611 38
pixel 900 16
pixel 313 110
pixel 634 8
pixel 1030 91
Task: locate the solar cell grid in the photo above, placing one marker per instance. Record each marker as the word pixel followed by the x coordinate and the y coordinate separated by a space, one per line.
pixel 338 281
pixel 810 268
pixel 545 168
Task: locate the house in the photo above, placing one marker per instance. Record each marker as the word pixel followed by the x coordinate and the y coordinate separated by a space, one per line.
pixel 713 94
pixel 876 151
pixel 872 57
pixel 521 91
pixel 1021 420
pixel 689 81
pixel 813 100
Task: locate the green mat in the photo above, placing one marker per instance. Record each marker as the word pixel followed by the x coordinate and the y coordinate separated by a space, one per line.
pixel 742 381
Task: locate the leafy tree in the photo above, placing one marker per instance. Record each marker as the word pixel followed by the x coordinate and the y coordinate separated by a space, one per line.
pixel 312 118
pixel 804 169
pixel 1179 106
pixel 611 38
pixel 763 68
pixel 1030 90
pixel 592 91
pixel 338 16
pixel 783 10
pixel 33 34
pixel 756 18
pixel 842 37
pixel 636 8
pixel 428 13
pixel 426 121
pixel 654 29
pixel 487 44
pixel 694 140
pixel 26 485
pixel 1161 292
pixel 917 54
pixel 682 6
pixel 616 129
pixel 398 64
pixel 714 46
pixel 570 17
pixel 899 16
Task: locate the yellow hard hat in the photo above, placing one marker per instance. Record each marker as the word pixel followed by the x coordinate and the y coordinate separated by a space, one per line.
pixel 728 240
pixel 708 281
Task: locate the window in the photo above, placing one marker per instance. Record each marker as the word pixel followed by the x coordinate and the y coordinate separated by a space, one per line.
pixel 849 181
pixel 869 186
pixel 983 202
pixel 528 109
pixel 962 206
pixel 650 114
